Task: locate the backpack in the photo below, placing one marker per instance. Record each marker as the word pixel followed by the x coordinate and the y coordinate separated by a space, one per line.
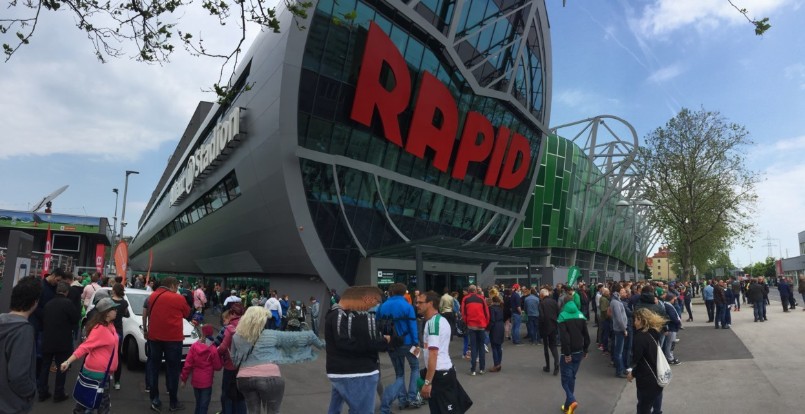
pixel 663 370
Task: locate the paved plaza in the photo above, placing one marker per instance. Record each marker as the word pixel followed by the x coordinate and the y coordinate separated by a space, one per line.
pixel 754 367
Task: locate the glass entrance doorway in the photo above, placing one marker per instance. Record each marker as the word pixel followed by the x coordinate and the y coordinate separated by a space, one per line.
pixel 455 282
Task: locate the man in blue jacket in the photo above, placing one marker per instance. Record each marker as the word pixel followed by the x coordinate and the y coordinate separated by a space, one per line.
pixel 402 313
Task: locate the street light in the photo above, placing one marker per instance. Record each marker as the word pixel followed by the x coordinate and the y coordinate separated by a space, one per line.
pixel 635 204
pixel 125 192
pixel 114 227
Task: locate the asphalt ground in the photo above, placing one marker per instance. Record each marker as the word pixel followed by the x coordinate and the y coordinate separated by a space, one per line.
pixel 753 367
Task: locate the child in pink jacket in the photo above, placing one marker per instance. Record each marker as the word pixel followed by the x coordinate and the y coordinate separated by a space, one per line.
pixel 202 361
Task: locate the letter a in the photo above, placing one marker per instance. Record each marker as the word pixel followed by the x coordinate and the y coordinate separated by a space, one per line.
pixel 433 95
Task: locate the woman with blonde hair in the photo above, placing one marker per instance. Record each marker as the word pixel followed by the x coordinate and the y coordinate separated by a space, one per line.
pixel 648 326
pixel 258 352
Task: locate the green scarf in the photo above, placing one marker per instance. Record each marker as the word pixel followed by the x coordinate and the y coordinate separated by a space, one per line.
pixel 570 311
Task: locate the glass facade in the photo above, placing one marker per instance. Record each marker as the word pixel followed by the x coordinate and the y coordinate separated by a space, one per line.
pixel 377 210
pixel 568 191
pixel 220 195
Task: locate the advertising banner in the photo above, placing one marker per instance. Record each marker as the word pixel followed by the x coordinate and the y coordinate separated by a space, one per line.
pixel 150 260
pixel 46 265
pixel 60 222
pixel 122 259
pixel 100 253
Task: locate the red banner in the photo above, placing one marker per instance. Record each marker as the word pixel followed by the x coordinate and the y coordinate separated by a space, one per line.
pixel 100 253
pixel 46 265
pixel 122 259
pixel 150 260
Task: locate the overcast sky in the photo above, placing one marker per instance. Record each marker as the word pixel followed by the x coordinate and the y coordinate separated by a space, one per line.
pixel 67 119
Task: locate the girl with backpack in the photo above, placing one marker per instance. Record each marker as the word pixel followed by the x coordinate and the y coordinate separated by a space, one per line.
pixel 648 326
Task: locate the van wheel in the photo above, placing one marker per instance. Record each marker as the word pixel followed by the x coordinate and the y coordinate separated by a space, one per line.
pixel 132 354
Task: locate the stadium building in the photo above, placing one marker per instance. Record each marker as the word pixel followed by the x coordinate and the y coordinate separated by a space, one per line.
pixel 378 125
pixel 384 141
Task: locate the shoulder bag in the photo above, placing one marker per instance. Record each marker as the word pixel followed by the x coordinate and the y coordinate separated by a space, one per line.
pixel 88 392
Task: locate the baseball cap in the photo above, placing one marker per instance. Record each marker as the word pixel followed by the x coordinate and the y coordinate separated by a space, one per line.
pixel 516 286
pixel 234 292
pixel 105 304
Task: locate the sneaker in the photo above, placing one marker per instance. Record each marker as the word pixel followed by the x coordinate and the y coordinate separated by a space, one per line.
pixel 472 373
pixel 177 407
pixel 117 385
pixel 572 408
pixel 156 407
pixel 676 340
pixel 44 396
pixel 481 372
pixel 562 407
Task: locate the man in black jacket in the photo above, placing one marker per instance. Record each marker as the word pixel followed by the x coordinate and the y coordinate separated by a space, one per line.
pixel 60 317
pixel 17 354
pixel 353 343
pixel 756 298
pixel 548 329
pixel 720 302
pixel 575 344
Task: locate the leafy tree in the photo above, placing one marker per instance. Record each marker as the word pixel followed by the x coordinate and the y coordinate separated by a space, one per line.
pixel 152 27
pixel 695 173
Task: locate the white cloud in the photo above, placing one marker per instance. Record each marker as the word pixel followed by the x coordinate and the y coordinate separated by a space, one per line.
pixel 780 203
pixel 796 73
pixel 665 74
pixel 797 143
pixel 663 17
pixel 63 101
pixel 584 104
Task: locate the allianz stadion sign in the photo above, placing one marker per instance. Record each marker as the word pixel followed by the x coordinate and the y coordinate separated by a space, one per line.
pixel 479 141
pixel 201 160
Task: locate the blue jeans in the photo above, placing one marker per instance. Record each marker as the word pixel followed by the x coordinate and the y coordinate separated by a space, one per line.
pixel 203 397
pixel 497 354
pixel 533 328
pixel 606 331
pixel 569 370
pixel 627 344
pixel 477 348
pixel 517 320
pixel 171 351
pixel 617 352
pixel 720 308
pixel 760 310
pixel 466 343
pixel 397 389
pixel 357 392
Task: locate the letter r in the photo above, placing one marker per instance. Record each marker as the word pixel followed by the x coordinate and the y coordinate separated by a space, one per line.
pixel 371 91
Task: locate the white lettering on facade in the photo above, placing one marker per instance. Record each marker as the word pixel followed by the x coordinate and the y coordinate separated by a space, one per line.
pixel 200 160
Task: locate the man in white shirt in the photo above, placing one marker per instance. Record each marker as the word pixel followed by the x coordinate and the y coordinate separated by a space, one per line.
pixel 233 298
pixel 275 309
pixel 441 387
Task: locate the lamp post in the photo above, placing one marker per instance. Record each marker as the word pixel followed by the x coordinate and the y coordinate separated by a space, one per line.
pixel 114 227
pixel 635 204
pixel 125 192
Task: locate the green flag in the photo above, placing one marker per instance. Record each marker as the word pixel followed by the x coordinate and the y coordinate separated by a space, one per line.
pixel 573 275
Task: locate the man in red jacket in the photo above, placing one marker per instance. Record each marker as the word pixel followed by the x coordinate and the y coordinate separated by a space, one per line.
pixel 165 335
pixel 475 312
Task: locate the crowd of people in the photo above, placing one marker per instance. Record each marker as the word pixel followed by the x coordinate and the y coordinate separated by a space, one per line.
pixel 262 330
